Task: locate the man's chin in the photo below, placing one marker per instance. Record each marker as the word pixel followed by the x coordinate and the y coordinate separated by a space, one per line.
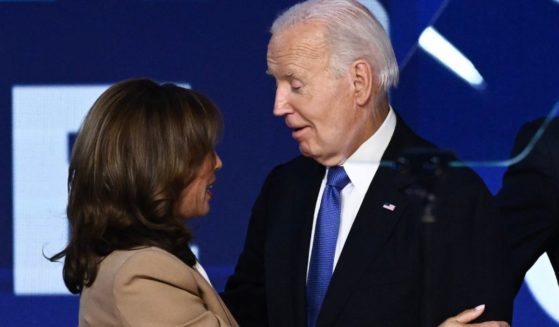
pixel 327 161
pixel 305 151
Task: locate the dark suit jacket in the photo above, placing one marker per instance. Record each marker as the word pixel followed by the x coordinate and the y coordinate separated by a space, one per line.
pixel 529 200
pixel 378 278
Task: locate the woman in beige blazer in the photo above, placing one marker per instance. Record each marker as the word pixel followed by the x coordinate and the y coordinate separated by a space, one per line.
pixel 142 163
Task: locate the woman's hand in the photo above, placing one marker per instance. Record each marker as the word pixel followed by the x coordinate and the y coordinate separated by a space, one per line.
pixel 463 318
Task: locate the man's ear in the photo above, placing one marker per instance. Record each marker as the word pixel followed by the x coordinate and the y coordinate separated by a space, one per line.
pixel 362 77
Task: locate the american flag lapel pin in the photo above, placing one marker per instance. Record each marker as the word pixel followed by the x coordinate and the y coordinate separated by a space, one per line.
pixel 389 206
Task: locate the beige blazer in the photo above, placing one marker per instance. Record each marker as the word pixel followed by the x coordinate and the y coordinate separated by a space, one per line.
pixel 151 287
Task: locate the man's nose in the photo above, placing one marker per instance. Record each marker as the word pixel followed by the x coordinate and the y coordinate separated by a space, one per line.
pixel 281 105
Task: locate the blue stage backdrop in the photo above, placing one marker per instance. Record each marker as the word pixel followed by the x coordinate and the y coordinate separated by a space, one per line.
pixel 472 72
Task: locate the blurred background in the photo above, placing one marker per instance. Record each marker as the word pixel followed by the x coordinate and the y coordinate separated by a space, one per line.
pixel 472 72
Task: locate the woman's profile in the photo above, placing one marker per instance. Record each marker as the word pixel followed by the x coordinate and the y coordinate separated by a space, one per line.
pixel 144 161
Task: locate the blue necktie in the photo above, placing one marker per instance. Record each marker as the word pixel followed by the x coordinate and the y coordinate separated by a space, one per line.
pixel 324 244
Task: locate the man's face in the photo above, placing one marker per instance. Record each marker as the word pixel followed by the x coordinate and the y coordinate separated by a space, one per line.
pixel 317 106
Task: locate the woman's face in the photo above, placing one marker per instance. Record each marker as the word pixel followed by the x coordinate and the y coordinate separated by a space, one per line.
pixel 194 200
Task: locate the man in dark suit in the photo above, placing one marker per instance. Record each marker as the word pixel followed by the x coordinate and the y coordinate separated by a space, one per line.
pixel 529 198
pixel 333 65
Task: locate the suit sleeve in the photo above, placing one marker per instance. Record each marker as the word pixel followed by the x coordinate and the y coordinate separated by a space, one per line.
pixel 528 201
pixel 472 261
pixel 492 257
pixel 245 293
pixel 156 289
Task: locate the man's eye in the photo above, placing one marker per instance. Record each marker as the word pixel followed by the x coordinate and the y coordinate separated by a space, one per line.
pixel 296 86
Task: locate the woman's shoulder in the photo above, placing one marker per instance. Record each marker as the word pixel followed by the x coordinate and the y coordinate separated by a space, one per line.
pixel 146 258
pixel 151 284
pixel 139 253
pixel 147 262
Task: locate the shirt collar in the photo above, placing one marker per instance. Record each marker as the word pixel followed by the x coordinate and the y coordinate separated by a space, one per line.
pixel 362 165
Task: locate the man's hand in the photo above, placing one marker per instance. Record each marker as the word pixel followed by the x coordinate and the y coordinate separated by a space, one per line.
pixel 466 316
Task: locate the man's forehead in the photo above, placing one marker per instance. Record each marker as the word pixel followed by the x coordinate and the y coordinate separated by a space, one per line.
pixel 299 42
pixel 300 36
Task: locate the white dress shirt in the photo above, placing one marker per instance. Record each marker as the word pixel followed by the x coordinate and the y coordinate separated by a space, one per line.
pixel 360 167
pixel 198 267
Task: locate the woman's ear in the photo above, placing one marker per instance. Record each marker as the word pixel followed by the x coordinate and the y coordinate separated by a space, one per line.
pixel 362 77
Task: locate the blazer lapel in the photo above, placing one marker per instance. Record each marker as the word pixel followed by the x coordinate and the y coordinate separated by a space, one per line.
pixel 308 204
pixel 287 270
pixel 370 231
pixel 212 300
pixel 380 212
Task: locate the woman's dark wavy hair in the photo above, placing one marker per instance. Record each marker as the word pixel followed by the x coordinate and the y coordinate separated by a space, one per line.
pixel 139 146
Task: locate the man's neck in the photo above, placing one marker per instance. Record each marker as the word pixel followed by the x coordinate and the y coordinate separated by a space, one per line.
pixel 377 115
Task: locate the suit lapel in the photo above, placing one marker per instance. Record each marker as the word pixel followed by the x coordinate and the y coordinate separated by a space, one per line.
pixel 212 300
pixel 290 245
pixel 307 201
pixel 371 229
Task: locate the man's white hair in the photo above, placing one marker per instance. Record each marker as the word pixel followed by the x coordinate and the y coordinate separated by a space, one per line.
pixel 352 33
